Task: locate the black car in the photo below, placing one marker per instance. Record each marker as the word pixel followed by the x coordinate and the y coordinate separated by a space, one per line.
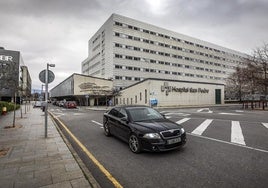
pixel 143 128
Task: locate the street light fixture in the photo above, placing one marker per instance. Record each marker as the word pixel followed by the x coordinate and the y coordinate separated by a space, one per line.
pixel 46 96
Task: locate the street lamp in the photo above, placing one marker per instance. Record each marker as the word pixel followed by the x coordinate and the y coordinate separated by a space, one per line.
pixel 46 96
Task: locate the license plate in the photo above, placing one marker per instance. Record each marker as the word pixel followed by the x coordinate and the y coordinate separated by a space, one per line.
pixel 173 141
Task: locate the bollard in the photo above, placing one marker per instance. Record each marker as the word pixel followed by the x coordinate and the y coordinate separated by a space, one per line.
pixel 4 110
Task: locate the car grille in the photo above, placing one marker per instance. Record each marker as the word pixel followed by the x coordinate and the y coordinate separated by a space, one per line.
pixel 171 133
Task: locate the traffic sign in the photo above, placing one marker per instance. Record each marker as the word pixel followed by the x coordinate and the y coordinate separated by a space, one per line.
pixel 42 76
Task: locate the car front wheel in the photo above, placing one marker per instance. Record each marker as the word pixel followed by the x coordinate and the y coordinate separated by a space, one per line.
pixel 134 144
pixel 106 128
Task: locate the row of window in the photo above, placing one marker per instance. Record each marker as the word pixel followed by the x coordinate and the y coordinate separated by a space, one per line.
pixel 165 71
pixel 172 38
pixel 170 47
pixel 129 78
pixel 169 55
pixel 126 101
pixel 160 62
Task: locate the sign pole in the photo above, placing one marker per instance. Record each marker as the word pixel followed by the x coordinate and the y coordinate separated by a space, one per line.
pixel 46 76
pixel 46 95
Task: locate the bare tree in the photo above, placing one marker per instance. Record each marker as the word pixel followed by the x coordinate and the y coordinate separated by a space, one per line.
pixel 251 80
pixel 260 60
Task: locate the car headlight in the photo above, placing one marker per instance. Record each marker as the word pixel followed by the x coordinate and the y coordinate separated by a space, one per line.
pixel 152 136
pixel 182 130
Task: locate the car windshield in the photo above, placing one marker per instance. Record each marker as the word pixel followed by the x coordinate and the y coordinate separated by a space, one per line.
pixel 144 114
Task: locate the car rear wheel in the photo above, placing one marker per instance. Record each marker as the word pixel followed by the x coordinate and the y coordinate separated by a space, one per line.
pixel 106 128
pixel 134 144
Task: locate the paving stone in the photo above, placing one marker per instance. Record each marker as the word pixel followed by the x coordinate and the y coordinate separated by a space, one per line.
pixel 8 171
pixel 72 167
pixel 6 183
pixel 65 184
pixel 80 183
pixel 35 161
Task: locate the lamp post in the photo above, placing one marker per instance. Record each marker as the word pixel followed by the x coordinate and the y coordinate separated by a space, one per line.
pixel 46 96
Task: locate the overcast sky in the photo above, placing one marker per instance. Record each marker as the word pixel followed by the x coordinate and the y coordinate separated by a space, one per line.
pixel 57 31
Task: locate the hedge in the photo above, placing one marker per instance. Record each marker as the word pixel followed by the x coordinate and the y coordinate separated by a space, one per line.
pixel 8 105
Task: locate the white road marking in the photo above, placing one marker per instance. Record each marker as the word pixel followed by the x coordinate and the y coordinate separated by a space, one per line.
pixel 201 128
pixel 239 111
pixel 230 143
pixel 236 133
pixel 78 114
pixel 177 113
pixel 205 109
pixel 265 125
pixel 100 124
pixel 57 114
pixel 233 114
pixel 168 117
pixel 183 120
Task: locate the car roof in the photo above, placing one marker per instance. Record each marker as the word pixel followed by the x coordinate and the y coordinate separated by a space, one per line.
pixel 131 106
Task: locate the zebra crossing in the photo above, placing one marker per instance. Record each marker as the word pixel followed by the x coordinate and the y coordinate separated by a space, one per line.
pixel 234 128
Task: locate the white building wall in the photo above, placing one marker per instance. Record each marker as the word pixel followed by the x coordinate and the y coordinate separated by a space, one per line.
pixel 86 85
pixel 191 94
pixel 99 61
pixel 200 61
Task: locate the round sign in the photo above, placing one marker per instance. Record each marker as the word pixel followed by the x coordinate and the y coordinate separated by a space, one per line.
pixel 42 76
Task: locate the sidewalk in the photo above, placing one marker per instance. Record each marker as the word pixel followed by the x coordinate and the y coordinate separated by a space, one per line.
pixel 33 160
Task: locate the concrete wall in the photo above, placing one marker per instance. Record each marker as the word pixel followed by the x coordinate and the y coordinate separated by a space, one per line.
pixel 86 85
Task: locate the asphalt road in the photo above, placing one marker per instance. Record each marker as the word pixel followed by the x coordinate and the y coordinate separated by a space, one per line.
pixel 216 155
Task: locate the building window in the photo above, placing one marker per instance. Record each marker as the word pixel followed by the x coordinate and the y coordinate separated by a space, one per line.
pixel 145 96
pixel 136 99
pixel 118 56
pixel 118 24
pixel 118 66
pixel 140 96
pixel 128 78
pixel 118 77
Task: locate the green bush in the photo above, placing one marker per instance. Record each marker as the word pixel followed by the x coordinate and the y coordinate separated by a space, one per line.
pixel 8 105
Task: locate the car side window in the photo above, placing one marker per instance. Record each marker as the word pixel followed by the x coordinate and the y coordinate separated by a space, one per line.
pixel 114 112
pixel 122 113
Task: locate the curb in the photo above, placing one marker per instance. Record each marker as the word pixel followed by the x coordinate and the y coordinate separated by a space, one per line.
pixel 92 181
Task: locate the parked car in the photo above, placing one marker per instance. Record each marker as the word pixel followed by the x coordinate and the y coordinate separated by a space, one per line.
pixel 143 128
pixel 37 104
pixel 61 103
pixel 70 104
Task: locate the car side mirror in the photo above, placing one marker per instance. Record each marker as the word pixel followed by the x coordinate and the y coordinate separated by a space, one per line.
pixel 125 119
pixel 164 116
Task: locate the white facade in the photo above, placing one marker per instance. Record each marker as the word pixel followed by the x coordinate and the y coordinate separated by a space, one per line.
pixel 129 51
pixel 170 93
pixel 84 89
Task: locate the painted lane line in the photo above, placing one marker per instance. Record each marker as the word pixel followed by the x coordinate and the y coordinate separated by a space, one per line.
pixel 91 156
pixel 265 125
pixel 183 120
pixel 233 114
pixel 236 133
pixel 205 109
pixel 201 128
pixel 100 124
pixel 177 113
pixel 230 143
